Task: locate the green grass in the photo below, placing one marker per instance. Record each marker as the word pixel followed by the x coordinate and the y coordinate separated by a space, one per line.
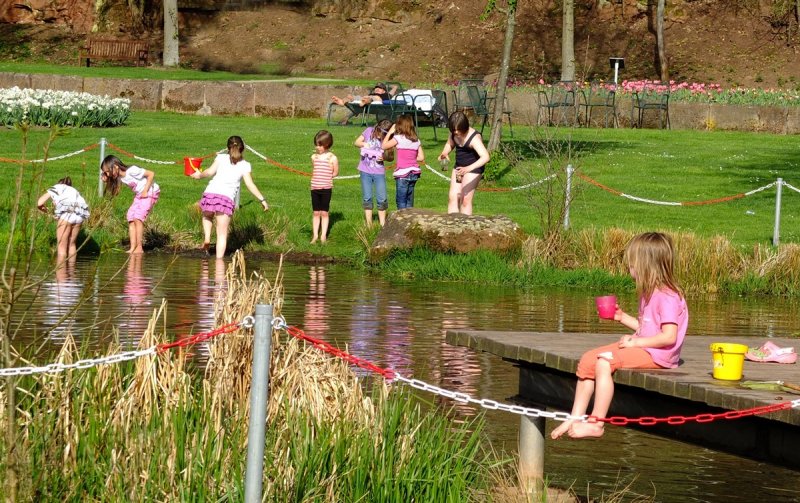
pixel 652 164
pixel 116 71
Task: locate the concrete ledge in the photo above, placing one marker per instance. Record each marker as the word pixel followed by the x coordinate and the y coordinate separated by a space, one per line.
pixel 291 100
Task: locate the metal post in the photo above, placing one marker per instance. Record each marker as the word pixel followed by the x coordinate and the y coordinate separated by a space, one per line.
pixel 531 453
pixel 568 195
pixel 259 395
pixel 100 186
pixel 776 233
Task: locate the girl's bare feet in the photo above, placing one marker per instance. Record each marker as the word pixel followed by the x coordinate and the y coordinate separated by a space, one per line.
pixel 586 430
pixel 561 429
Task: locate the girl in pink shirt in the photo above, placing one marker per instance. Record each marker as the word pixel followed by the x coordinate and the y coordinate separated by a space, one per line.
pixel 656 343
pixel 403 136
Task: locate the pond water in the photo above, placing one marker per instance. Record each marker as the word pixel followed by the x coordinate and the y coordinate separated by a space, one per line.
pixel 402 325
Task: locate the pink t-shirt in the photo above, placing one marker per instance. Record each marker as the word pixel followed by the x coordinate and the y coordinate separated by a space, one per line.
pixel 665 306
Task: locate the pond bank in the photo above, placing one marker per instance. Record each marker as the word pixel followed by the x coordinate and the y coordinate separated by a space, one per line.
pixel 291 100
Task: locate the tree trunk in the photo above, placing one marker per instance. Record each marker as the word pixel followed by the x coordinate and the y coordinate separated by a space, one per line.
pixel 171 33
pixel 502 80
pixel 797 15
pixel 662 50
pixel 568 41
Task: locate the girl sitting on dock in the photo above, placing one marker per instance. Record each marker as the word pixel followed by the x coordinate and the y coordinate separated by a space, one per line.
pixel 656 343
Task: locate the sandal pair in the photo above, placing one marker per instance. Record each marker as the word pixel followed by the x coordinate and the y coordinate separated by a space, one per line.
pixel 772 353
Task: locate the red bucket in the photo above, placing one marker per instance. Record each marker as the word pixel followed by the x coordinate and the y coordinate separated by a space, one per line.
pixel 191 164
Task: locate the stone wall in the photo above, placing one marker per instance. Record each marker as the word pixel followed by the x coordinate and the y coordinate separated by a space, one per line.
pixel 281 99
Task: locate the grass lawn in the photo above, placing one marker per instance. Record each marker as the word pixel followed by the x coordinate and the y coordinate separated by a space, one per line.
pixel 652 164
pixel 111 70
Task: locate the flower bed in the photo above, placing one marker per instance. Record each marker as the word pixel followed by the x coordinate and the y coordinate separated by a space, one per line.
pixel 38 107
pixel 698 92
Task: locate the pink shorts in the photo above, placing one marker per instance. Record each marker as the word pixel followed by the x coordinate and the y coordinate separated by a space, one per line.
pixel 619 358
pixel 142 206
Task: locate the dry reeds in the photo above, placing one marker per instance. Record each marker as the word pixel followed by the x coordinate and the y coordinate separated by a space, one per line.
pixel 703 265
pixel 151 429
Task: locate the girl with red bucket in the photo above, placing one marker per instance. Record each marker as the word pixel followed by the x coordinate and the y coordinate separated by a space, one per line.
pixel 217 202
pixel 660 330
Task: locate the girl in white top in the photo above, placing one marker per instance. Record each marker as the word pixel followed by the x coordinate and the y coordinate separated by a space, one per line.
pixel 71 211
pixel 146 192
pixel 218 200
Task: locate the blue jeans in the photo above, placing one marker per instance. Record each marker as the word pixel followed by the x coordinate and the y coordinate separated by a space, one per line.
pixel 404 195
pixel 367 180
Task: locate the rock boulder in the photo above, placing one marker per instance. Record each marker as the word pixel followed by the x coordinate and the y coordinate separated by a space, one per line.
pixel 444 232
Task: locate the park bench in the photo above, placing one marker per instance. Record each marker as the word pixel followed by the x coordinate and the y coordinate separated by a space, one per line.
pixel 116 50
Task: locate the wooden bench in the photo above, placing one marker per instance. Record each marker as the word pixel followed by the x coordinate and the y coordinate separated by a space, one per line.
pixel 116 50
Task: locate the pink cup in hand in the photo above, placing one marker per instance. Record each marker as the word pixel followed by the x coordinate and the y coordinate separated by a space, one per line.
pixel 606 306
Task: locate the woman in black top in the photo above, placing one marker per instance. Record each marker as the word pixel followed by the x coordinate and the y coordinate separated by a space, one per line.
pixel 471 159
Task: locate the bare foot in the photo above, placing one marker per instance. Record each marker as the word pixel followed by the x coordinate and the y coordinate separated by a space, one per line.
pixel 586 430
pixel 313 240
pixel 560 429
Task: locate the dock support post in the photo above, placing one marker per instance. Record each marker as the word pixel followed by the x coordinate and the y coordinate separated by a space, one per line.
pixel 531 453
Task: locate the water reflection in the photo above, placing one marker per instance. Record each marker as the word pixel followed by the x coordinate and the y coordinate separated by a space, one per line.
pixel 60 298
pixel 402 325
pixel 315 318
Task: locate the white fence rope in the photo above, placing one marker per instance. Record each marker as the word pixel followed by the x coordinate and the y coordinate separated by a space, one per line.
pixel 59 157
pixel 765 187
pixel 790 186
pixel 489 404
pixel 80 364
pixel 678 203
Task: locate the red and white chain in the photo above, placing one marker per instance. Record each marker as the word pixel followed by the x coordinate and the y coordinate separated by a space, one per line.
pixel 127 355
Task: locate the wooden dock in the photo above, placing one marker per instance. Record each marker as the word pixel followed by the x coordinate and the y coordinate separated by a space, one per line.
pixel 547 363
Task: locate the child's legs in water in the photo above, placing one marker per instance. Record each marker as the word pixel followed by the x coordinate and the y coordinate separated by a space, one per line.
pixel 136 234
pixel 62 240
pixel 137 213
pixel 208 224
pixel 74 230
pixel 223 222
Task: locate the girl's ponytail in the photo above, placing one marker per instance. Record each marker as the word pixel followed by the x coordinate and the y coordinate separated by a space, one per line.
pixel 235 149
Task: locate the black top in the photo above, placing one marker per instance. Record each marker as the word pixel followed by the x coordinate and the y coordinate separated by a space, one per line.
pixel 465 155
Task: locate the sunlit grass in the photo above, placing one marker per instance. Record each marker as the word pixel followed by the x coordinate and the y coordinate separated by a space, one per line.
pixel 660 165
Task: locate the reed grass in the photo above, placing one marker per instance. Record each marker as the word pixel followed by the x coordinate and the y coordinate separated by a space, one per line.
pixel 153 429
